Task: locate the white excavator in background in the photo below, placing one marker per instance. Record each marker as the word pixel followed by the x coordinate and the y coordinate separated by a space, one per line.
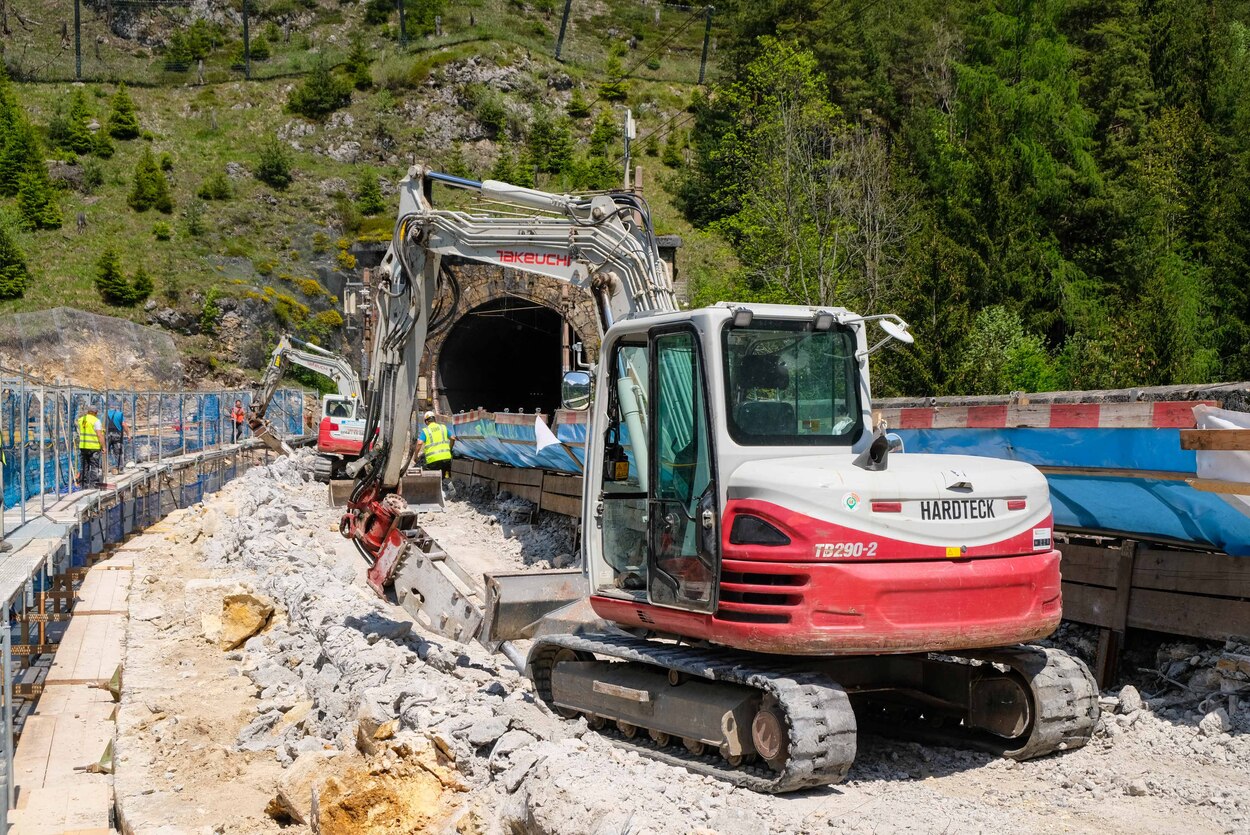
pixel 762 570
pixel 340 434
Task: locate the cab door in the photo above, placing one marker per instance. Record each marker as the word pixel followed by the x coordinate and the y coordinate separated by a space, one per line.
pixel 683 516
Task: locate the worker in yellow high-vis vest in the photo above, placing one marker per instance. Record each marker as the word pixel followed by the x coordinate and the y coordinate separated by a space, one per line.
pixel 90 447
pixel 435 444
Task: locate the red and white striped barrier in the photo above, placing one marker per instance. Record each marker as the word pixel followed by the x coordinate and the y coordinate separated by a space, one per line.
pixel 1163 414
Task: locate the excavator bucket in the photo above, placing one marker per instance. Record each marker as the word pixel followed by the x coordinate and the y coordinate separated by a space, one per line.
pixel 422 490
pixel 524 604
pixel 266 435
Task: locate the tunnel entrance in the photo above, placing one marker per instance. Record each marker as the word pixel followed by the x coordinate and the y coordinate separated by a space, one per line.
pixel 508 353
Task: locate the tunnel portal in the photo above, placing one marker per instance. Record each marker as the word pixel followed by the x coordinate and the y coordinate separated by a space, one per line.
pixel 505 354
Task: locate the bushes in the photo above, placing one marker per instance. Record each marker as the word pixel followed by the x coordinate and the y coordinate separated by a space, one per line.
pixel 344 259
pixel 151 189
pixel 320 93
pixel 113 286
pixel 273 168
pixel 14 275
pixel 162 230
pixel 216 187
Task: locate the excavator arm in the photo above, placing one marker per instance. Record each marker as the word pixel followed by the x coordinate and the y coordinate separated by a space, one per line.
pixel 290 351
pixel 602 243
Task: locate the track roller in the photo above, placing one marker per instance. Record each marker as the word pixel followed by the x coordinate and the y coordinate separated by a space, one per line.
pixel 767 729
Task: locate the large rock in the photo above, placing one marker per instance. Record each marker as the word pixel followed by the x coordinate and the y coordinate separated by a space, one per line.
pixel 242 616
pixel 1130 699
pixel 293 801
pixel 1215 723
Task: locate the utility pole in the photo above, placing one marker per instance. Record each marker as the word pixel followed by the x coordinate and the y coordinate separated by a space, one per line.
pixel 630 132
pixel 247 47
pixel 564 23
pixel 77 41
pixel 707 37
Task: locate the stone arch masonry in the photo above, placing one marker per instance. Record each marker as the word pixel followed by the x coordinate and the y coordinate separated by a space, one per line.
pixel 480 284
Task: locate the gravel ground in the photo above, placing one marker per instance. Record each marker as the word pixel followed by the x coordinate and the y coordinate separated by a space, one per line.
pixel 359 670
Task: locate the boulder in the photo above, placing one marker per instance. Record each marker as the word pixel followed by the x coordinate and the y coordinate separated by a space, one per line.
pixel 242 616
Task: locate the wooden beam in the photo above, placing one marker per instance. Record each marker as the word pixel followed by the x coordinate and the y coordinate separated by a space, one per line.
pixel 1215 485
pixel 1190 572
pixel 1113 472
pixel 1215 439
pixel 1179 614
pixel 565 505
pixel 1111 638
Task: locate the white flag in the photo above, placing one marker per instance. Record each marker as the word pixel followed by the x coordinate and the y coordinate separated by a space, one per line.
pixel 543 437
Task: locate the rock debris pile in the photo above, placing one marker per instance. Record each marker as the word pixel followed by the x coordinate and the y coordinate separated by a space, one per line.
pixel 505 525
pixel 383 728
pixel 340 673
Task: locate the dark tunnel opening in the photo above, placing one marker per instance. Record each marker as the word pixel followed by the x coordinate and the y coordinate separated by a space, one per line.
pixel 505 354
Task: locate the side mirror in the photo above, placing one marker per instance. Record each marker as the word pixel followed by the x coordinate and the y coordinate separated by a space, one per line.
pixel 895 442
pixel 575 391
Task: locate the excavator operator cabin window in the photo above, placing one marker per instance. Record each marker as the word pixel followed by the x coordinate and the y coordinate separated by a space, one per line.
pixel 338 409
pixel 623 487
pixel 788 384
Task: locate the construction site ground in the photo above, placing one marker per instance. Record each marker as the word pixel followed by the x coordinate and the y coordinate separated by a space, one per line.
pixel 342 716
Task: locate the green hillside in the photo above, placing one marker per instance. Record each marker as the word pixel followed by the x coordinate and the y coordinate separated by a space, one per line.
pixel 486 99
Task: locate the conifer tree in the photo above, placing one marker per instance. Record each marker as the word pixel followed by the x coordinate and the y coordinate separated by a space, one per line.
pixel 502 170
pixel 14 275
pixel 141 285
pixel 614 86
pixel 150 189
pixel 273 167
pixel 320 94
pixel 79 136
pixel 369 194
pixel 19 153
pixel 110 283
pixel 604 134
pixel 358 62
pixel 456 164
pixel 123 121
pixel 577 108
pixel 37 200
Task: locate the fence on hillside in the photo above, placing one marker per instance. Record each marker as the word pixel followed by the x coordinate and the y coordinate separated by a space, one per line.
pixel 129 40
pixel 39 441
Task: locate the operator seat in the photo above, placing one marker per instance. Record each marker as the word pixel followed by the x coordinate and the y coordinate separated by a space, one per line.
pixel 764 417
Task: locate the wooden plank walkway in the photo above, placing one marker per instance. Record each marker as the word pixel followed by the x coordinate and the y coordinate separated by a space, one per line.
pixel 73 723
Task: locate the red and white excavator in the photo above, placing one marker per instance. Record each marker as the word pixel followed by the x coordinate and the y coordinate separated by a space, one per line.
pixel 766 569
pixel 340 434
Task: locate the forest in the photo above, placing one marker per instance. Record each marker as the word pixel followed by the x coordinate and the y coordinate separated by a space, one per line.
pixel 1054 193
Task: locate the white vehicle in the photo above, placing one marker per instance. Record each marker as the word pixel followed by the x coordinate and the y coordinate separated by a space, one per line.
pixel 340 434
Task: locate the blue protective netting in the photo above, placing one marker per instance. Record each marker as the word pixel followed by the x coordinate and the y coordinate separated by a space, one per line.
pixel 39 442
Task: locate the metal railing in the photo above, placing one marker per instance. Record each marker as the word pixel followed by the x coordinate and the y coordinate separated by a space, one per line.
pixel 39 440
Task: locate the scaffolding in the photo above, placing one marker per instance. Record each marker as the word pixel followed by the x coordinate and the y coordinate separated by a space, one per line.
pixel 179 447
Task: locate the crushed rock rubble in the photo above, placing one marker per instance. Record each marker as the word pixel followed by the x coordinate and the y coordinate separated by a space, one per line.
pixel 338 670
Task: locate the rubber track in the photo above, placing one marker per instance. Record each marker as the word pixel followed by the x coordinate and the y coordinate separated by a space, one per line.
pixel 818 714
pixel 1065 698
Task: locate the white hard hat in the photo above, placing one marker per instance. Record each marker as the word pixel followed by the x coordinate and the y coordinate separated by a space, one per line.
pixel 429 416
